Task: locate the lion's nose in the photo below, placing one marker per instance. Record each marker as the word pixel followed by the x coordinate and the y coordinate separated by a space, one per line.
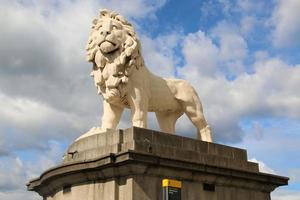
pixel 104 33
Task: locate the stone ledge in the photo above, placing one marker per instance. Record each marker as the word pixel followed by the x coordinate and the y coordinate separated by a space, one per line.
pixel 159 144
pixel 133 163
pixel 138 138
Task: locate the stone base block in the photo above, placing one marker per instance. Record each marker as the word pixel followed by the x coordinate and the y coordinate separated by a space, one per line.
pixel 131 164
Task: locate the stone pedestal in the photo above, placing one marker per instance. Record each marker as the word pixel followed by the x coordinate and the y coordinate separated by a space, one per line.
pixel 131 164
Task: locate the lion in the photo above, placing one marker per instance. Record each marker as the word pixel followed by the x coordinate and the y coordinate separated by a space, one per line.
pixel 124 81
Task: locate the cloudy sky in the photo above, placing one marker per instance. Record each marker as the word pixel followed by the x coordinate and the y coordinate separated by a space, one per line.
pixel 242 56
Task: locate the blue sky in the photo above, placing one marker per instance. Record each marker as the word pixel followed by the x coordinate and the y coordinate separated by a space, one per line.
pixel 242 56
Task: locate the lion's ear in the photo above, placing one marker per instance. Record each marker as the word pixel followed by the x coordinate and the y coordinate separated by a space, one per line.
pixel 113 14
pixel 90 49
pixel 131 33
pixel 103 12
pixel 122 20
pixel 95 21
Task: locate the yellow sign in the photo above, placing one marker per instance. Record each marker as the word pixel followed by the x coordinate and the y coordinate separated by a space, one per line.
pixel 171 183
pixel 171 189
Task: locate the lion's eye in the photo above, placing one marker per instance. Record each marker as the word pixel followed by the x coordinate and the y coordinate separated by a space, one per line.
pixel 100 26
pixel 114 27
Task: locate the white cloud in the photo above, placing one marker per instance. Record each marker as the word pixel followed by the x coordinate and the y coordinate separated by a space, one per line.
pixel 159 53
pixel 227 6
pixel 135 8
pixel 246 5
pixel 232 45
pixel 220 52
pixel 294 175
pixel 258 130
pixel 28 114
pixel 46 91
pixel 15 173
pixel 266 92
pixel 286 23
pixel 279 137
pixel 11 174
pixel 199 51
pixel 35 64
pixel 37 122
pixel 250 6
pixel 284 194
pixel 45 41
pixel 19 194
pixel 248 23
pixel 263 167
pixel 279 82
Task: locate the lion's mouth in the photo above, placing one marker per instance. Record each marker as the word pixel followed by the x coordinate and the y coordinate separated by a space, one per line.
pixel 108 47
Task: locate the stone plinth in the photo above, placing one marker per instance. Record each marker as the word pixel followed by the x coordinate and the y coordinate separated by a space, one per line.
pixel 130 165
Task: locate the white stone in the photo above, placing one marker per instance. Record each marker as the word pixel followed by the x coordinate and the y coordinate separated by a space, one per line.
pixel 92 131
pixel 123 80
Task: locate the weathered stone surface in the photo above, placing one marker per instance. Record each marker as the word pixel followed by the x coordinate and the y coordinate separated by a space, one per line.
pixel 160 144
pixel 122 78
pixel 130 165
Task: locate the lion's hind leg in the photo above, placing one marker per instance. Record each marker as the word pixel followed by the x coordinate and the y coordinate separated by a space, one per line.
pixel 167 120
pixel 193 109
pixel 190 104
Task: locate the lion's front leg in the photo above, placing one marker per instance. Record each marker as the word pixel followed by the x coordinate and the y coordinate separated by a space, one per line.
pixel 139 107
pixel 111 116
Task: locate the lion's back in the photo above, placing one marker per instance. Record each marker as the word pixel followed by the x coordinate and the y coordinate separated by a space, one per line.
pixel 181 89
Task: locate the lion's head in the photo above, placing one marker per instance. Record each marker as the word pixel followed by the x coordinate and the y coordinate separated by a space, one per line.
pixel 111 35
pixel 114 50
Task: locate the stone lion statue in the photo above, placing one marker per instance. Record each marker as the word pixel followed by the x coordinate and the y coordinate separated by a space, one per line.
pixel 124 81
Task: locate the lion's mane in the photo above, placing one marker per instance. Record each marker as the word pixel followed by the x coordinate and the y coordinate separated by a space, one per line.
pixel 128 60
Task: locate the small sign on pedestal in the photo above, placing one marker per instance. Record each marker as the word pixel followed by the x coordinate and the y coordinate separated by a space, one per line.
pixel 171 189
